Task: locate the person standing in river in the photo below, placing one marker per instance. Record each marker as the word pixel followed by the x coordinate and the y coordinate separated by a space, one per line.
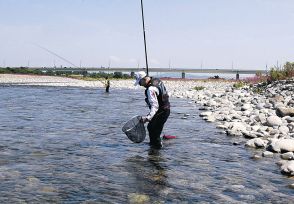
pixel 157 100
pixel 107 84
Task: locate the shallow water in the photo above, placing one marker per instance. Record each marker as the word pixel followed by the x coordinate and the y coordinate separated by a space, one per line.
pixel 65 145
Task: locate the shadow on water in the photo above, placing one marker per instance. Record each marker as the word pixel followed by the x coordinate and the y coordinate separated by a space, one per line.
pixel 65 145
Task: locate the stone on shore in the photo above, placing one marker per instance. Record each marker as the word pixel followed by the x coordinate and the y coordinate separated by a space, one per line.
pixel 282 112
pixel 281 145
pixel 274 121
pixel 288 168
pixel 267 154
pixel 256 143
pixel 288 156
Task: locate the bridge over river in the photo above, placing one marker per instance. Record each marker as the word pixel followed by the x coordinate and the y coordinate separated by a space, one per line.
pixel 237 72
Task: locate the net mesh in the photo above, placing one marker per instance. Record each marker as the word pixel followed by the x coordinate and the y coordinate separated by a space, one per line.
pixel 135 130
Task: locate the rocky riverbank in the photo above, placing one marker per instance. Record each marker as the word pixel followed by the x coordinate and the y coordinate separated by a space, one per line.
pixel 263 114
pixel 266 119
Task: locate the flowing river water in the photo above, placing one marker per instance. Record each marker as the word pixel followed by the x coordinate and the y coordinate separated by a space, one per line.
pixel 65 145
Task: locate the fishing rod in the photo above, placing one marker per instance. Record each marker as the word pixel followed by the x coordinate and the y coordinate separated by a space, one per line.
pixel 53 53
pixel 146 58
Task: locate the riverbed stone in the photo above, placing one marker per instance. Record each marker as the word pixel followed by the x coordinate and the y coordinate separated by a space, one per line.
pixel 220 126
pixel 274 132
pixel 281 145
pixel 282 112
pixel 274 121
pixel 250 143
pixel 249 134
pixel 138 198
pixel 287 156
pixel 267 154
pixel 260 106
pixel 238 126
pixel 259 143
pixel 288 168
pixel 262 118
pixel 256 143
pixel 245 107
pixel 210 118
pixel 290 119
pixel 284 130
pixel 255 128
pixel 207 113
pixel 234 133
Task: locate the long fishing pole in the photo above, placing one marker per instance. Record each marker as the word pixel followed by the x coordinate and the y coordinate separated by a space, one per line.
pixel 53 53
pixel 146 58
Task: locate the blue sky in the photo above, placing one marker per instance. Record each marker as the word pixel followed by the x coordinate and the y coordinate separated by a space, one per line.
pixel 245 34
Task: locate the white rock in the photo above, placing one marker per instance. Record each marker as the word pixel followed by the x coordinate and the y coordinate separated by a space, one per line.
pixel 247 113
pixel 262 118
pixel 210 118
pixel 267 154
pixel 250 143
pixel 260 106
pixel 287 156
pixel 237 126
pixel 288 168
pixel 282 145
pixel 284 130
pixel 259 142
pixel 255 128
pixel 246 106
pixel 256 143
pixel 249 134
pixel 205 113
pixel 221 126
pixel 274 121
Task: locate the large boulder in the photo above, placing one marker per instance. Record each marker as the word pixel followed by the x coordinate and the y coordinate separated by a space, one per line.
pixel 287 156
pixel 274 121
pixel 288 168
pixel 282 145
pixel 282 112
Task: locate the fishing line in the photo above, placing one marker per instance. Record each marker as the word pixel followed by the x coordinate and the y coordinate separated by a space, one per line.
pixel 53 53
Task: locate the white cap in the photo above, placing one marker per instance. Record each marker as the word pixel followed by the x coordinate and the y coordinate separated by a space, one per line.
pixel 138 76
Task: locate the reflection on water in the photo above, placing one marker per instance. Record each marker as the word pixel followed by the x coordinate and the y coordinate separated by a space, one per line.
pixel 65 145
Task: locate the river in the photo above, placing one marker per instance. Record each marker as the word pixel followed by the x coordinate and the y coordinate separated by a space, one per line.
pixel 65 145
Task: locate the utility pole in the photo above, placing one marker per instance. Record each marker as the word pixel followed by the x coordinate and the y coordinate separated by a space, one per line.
pixel 146 58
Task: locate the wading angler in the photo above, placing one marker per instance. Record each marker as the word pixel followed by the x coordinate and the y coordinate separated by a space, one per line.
pixel 157 100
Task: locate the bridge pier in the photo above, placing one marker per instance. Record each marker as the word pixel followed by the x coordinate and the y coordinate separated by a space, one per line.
pixel 183 75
